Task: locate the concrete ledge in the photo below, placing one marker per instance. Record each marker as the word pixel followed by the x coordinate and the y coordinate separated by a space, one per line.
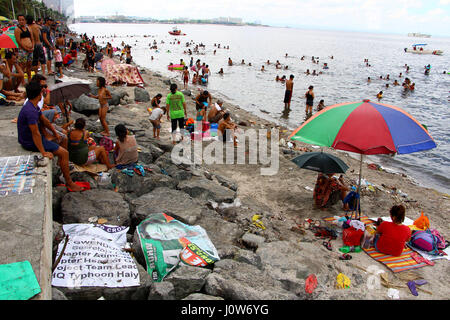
pixel 26 220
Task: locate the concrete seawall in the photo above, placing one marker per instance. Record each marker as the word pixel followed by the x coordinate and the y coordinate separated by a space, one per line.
pixel 26 220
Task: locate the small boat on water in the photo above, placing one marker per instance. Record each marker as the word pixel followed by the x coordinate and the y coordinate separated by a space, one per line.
pixel 419 49
pixel 176 32
pixel 419 35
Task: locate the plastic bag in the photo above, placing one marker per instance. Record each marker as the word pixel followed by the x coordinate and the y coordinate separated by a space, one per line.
pixel 422 222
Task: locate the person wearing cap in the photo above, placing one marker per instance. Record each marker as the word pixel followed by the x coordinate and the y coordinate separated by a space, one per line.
pixel 216 113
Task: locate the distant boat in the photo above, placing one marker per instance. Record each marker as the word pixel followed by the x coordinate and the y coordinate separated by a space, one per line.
pixel 176 32
pixel 419 49
pixel 419 35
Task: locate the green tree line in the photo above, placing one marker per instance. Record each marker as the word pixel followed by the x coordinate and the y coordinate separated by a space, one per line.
pixel 36 9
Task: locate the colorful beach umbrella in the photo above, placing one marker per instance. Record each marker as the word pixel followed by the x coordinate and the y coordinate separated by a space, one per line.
pixel 8 41
pixel 2 18
pixel 367 128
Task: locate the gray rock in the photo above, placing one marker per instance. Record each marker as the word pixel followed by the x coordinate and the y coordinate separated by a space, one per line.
pixel 207 190
pixel 187 92
pixel 252 240
pixel 79 207
pixel 162 291
pixel 247 256
pixel 226 182
pixel 58 295
pixel 140 185
pixel 173 202
pixel 167 81
pixel 241 281
pixel 85 103
pixel 141 95
pixel 117 95
pixel 57 195
pixel 178 174
pixel 187 279
pixel 201 296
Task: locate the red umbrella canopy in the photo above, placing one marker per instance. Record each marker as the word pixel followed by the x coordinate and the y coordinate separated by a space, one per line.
pixel 8 41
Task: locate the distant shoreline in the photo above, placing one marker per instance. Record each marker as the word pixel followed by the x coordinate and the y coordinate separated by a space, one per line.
pixel 172 23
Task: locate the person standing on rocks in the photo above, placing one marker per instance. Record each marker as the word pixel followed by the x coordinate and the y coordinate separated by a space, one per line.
pixel 103 96
pixel 38 53
pixel 176 106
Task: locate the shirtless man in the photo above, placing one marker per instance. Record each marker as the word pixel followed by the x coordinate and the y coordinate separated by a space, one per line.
pixel 26 45
pixel 216 113
pixel 185 77
pixel 38 53
pixel 61 44
pixel 288 92
pixel 12 78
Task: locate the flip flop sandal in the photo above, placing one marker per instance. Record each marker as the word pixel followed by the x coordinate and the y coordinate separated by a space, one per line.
pixel 345 256
pixel 148 169
pixel 420 282
pixel 138 171
pixel 412 288
pixel 327 245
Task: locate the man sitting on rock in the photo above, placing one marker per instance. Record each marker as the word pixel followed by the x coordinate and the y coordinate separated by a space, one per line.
pixel 216 113
pixel 29 125
pixel 13 76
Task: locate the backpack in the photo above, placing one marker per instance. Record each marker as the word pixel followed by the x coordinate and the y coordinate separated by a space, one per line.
pixel 106 143
pixel 426 241
pixel 441 243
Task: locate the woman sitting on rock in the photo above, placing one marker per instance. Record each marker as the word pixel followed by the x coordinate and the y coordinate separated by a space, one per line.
pixel 125 151
pixel 80 152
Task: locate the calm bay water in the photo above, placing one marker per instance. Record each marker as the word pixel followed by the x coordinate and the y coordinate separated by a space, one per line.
pixel 344 81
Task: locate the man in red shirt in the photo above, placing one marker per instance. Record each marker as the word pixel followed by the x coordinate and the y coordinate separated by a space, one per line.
pixel 68 60
pixel 392 236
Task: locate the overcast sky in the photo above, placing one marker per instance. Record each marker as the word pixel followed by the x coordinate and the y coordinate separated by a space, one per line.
pixel 391 16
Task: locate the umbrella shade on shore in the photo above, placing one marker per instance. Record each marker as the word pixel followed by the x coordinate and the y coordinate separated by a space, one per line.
pixel 366 128
pixel 320 162
pixel 63 91
pixel 8 41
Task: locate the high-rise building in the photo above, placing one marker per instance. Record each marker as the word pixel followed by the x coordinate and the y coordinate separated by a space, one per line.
pixel 65 7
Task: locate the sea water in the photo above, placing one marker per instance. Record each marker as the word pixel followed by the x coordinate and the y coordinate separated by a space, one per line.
pixel 344 81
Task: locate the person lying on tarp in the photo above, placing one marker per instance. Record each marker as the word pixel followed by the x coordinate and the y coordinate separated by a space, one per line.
pixel 328 190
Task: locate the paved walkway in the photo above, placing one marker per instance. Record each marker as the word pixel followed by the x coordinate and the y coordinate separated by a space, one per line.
pixel 26 220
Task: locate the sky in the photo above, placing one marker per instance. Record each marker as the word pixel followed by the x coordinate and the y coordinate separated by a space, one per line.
pixel 384 16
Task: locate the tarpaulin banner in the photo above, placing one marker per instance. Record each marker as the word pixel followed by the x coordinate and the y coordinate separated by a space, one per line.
pixel 166 241
pixel 93 257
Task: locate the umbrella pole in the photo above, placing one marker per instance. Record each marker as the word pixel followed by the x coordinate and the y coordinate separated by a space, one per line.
pixel 359 187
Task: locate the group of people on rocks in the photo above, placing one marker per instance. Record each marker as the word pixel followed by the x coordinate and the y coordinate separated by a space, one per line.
pixel 39 43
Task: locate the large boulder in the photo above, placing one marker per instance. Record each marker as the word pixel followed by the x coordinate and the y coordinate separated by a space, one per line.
pixel 85 103
pixel 78 207
pixel 173 202
pixel 140 185
pixel 141 95
pixel 117 95
pixel 201 296
pixel 207 190
pixel 187 280
pixel 233 280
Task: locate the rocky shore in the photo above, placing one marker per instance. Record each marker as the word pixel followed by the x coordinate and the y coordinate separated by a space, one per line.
pixel 255 263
